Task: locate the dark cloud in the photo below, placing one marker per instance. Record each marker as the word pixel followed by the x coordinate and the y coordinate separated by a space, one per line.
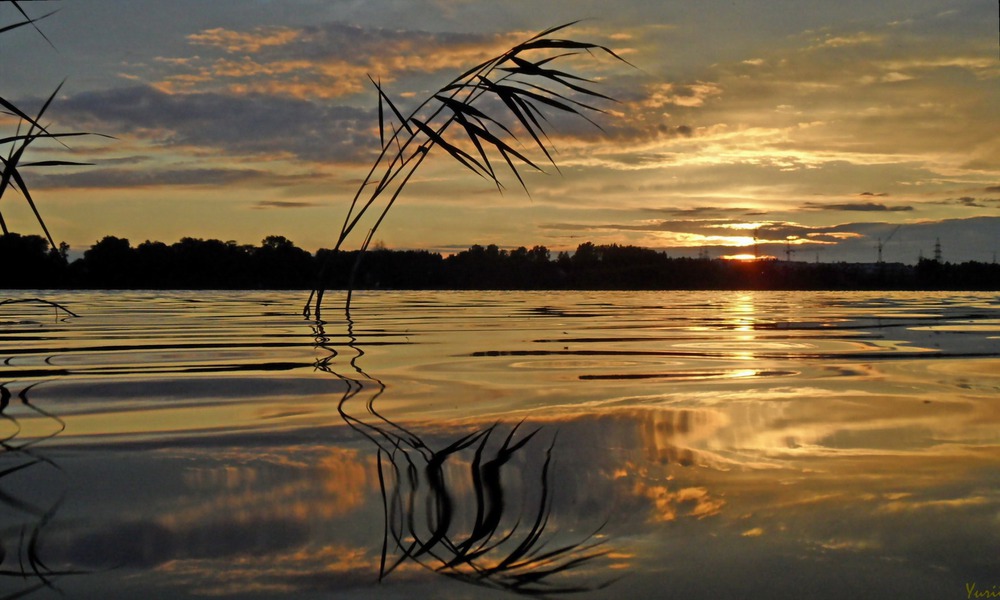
pixel 633 127
pixel 978 202
pixel 708 227
pixel 574 227
pixel 337 39
pixel 784 231
pixel 123 160
pixel 325 60
pixel 334 39
pixel 709 211
pixel 968 202
pixel 268 204
pixel 993 189
pixel 255 125
pixel 119 178
pixel 663 131
pixel 856 207
pixel 878 195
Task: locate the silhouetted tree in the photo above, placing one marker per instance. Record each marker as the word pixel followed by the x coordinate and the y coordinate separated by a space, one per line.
pixel 154 268
pixel 586 256
pixel 405 269
pixel 280 264
pixel 109 263
pixel 208 264
pixel 26 261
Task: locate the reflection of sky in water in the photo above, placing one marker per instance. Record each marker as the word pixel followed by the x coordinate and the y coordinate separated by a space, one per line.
pixel 731 445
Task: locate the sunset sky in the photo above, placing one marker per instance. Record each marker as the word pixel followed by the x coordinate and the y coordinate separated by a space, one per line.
pixel 823 126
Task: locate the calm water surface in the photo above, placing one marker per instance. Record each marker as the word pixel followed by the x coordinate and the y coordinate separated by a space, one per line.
pixel 466 445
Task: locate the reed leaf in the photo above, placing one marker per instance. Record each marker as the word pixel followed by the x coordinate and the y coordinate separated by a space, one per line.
pixel 31 202
pixel 526 84
pixel 476 132
pixel 457 153
pixel 28 21
pixel 524 115
pixel 383 97
pixel 10 176
pixel 56 163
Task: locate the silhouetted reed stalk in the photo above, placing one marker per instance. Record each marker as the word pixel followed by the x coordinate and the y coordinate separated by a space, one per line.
pixel 29 130
pixel 520 80
pixel 421 509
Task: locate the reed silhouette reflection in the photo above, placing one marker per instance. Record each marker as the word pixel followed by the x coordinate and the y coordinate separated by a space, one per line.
pixel 477 508
pixel 27 507
pixel 25 518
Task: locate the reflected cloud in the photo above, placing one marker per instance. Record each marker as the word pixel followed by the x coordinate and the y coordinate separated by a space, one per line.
pixel 305 569
pixel 670 436
pixel 905 505
pixel 328 484
pixel 666 503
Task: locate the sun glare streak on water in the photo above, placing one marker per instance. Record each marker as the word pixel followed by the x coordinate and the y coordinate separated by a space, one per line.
pixel 825 445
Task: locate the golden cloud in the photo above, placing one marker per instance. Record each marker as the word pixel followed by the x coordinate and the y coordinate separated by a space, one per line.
pixel 856 39
pixel 237 41
pixel 691 95
pixel 269 64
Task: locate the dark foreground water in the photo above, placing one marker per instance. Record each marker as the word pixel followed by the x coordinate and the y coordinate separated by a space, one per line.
pixel 463 445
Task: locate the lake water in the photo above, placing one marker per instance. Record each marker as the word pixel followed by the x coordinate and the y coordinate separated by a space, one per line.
pixel 464 445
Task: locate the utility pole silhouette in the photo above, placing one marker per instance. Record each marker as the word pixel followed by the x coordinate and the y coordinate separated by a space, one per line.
pixel 886 241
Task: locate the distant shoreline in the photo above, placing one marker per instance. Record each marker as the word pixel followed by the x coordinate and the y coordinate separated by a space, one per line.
pixel 26 262
pixel 6 289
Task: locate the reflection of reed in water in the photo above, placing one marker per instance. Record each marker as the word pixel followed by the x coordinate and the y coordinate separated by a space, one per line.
pixel 19 545
pixel 452 510
pixel 58 307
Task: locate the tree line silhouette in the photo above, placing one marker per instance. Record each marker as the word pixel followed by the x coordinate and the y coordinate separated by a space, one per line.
pixel 28 262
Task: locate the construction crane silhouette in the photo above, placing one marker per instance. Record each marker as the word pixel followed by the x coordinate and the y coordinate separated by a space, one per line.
pixel 886 241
